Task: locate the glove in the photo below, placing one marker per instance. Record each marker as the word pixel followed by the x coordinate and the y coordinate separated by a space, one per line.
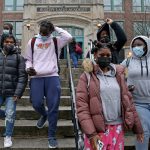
pixel 31 71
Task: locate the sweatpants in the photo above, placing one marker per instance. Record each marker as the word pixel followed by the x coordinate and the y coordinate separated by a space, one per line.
pixel 48 87
pixel 113 138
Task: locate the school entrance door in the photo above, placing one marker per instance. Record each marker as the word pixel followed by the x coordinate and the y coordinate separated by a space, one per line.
pixel 78 34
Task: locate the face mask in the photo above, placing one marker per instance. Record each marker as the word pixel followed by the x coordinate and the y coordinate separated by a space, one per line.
pixel 103 62
pixel 138 51
pixel 5 31
pixel 44 38
pixel 105 39
pixel 8 47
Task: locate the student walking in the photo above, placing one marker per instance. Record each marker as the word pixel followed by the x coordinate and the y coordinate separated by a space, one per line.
pixel 138 66
pixel 42 66
pixel 105 107
pixel 13 80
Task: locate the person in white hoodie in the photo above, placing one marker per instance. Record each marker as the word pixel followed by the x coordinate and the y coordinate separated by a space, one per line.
pixel 139 76
pixel 42 66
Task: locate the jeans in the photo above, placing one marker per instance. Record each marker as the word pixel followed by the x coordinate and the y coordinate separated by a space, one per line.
pixel 48 87
pixel 143 110
pixel 9 114
pixel 74 58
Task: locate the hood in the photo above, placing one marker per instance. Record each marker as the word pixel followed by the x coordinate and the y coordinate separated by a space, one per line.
pixel 105 27
pixel 147 41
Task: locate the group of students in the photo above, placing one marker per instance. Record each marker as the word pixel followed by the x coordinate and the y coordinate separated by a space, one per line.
pixel 41 64
pixel 107 106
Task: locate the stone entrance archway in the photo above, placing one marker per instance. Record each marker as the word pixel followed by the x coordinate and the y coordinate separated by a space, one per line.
pixel 84 14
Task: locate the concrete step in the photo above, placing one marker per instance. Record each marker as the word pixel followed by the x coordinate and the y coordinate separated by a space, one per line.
pixel 25 101
pixel 40 143
pixel 28 113
pixel 27 128
pixel 64 91
pixel 63 61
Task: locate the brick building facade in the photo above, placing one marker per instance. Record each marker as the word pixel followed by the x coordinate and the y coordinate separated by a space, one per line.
pixel 132 14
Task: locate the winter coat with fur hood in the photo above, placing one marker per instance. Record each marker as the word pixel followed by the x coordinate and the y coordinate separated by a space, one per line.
pixel 89 104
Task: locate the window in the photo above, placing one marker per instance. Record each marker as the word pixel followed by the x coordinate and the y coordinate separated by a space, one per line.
pixel 113 5
pixel 141 5
pixel 14 5
pixel 74 31
pixel 9 5
pixel 142 28
pixel 17 29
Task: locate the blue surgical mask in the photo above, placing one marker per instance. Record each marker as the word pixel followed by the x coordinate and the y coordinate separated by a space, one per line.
pixel 138 51
pixel 44 38
pixel 5 31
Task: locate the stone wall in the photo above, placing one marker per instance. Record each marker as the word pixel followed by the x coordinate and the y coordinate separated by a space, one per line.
pixel 85 14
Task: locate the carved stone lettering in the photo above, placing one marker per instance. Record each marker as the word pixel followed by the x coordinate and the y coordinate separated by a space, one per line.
pixel 63 9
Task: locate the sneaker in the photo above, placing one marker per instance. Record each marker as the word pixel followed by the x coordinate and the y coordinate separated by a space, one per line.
pixel 7 141
pixel 52 143
pixel 41 122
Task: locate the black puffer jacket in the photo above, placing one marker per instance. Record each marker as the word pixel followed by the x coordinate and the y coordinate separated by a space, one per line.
pixel 13 77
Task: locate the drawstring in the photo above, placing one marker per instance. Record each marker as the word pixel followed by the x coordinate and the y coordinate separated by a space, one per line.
pixel 146 65
pixel 141 67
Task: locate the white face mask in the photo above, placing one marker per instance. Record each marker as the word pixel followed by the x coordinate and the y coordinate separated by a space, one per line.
pixel 5 31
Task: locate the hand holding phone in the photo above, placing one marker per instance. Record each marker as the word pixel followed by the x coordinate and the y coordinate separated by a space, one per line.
pixel 99 145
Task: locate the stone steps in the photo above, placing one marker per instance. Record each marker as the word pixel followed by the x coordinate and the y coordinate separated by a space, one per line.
pixel 38 143
pixel 41 143
pixel 25 101
pixel 27 128
pixel 28 113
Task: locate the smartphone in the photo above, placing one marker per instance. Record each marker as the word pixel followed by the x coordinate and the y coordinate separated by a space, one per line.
pixel 100 145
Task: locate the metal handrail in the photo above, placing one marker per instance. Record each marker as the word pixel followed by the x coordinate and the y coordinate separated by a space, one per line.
pixel 78 134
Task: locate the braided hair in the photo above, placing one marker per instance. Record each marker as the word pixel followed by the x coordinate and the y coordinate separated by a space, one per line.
pixel 99 45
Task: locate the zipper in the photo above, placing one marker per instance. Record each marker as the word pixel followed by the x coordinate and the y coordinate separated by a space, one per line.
pixel 4 63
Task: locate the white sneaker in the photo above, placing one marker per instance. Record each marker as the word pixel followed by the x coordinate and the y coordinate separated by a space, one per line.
pixel 7 141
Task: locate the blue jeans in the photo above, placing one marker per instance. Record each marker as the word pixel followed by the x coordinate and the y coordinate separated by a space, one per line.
pixel 50 88
pixel 143 110
pixel 9 114
pixel 74 58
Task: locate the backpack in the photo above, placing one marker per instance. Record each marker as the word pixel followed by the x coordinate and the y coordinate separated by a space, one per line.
pixel 56 49
pixel 78 49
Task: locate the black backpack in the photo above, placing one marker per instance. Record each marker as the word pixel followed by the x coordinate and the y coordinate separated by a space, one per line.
pixel 56 49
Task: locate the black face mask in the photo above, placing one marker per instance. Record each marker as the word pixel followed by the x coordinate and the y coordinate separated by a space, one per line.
pixel 105 39
pixel 103 62
pixel 8 48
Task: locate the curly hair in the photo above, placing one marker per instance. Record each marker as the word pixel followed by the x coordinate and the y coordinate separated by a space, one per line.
pixel 4 37
pixel 46 27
